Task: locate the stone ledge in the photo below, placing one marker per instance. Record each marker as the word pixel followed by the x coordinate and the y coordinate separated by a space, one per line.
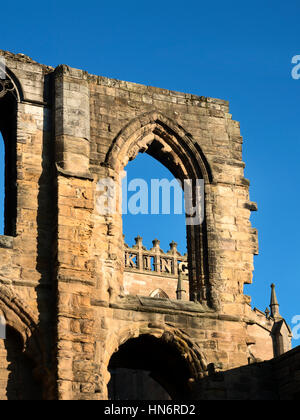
pixel 42 104
pixel 70 174
pixel 6 242
pixel 71 280
pixel 167 306
pixel 141 303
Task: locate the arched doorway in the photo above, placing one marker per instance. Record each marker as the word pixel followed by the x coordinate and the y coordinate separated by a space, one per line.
pixel 16 370
pixel 149 368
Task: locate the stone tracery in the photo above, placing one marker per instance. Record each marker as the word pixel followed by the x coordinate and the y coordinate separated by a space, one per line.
pixel 6 86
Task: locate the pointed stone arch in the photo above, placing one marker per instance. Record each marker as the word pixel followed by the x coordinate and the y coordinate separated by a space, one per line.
pixel 177 148
pixel 17 314
pixel 187 349
pixel 20 318
pixel 169 143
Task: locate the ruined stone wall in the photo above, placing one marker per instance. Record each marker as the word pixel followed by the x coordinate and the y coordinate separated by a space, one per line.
pixel 62 275
pixel 124 119
pixel 231 241
pixel 26 259
pixel 277 379
pixel 287 374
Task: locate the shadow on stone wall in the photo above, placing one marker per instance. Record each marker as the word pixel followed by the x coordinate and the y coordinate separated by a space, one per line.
pixel 278 379
pixel 47 243
pixel 158 364
pixel 21 385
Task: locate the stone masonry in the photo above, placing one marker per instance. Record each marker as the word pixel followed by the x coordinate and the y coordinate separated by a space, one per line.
pixel 66 278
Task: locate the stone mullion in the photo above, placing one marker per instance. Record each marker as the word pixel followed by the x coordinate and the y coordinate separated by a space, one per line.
pixel 147 262
pixel 157 263
pixel 157 255
pixel 175 266
pixel 174 253
pixel 140 260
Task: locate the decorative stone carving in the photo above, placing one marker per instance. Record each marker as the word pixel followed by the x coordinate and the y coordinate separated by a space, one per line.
pixel 6 86
pixel 138 258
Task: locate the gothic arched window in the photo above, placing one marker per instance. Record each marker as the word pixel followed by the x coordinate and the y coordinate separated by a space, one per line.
pixel 8 176
pixel 159 294
pixel 168 142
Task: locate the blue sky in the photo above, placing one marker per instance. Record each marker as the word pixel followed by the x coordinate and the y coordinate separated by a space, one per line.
pixel 239 51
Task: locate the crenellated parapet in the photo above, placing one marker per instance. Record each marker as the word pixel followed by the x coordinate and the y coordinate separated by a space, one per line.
pixel 159 263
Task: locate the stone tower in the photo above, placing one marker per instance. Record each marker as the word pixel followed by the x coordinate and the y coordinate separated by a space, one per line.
pixel 73 318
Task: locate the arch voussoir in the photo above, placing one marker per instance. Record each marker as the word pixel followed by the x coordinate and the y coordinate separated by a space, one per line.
pixel 188 349
pixel 165 129
pixel 17 313
pixel 19 316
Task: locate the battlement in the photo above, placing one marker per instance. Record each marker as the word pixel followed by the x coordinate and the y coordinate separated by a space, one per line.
pixel 155 260
pixel 156 273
